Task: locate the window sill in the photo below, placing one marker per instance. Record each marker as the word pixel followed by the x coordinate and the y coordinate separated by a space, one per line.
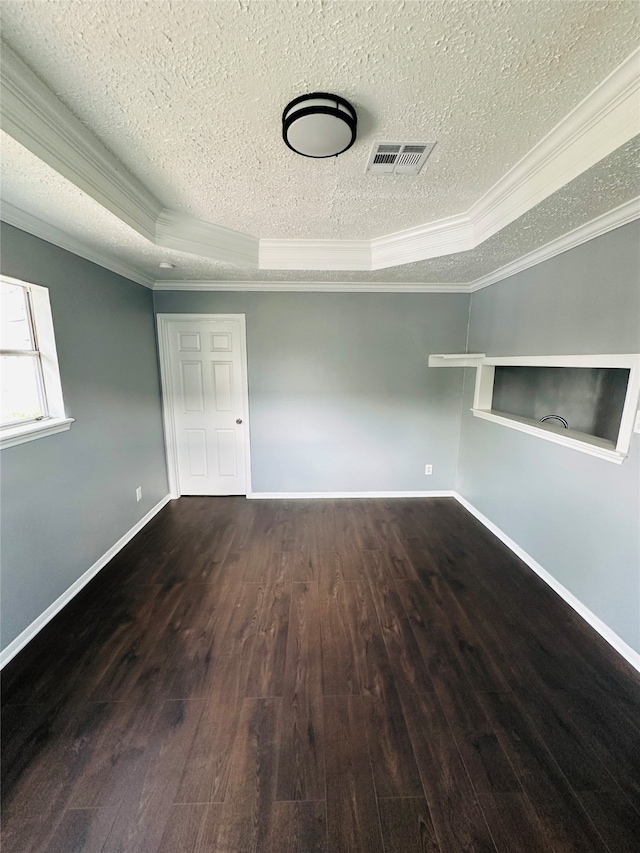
pixel 578 441
pixel 11 436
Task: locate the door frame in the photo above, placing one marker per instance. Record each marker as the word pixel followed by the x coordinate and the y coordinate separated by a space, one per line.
pixel 163 321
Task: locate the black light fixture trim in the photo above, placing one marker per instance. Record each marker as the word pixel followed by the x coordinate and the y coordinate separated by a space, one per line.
pixel 349 118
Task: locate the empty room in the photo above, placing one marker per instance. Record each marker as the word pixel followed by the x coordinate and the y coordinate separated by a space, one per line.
pixel 320 469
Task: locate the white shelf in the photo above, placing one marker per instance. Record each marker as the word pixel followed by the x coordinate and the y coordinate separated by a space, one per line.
pixel 456 359
pixel 578 441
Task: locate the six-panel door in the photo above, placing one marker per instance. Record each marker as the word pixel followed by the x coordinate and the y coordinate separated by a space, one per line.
pixel 207 399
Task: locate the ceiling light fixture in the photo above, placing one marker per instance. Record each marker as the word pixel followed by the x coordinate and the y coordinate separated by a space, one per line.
pixel 166 265
pixel 319 125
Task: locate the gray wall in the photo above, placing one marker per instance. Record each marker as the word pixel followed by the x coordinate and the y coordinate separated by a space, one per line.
pixel 578 516
pixel 341 398
pixel 67 498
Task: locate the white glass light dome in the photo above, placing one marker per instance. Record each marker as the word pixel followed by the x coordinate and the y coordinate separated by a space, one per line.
pixel 319 125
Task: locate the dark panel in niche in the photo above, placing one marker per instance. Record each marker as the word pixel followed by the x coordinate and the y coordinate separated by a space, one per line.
pixel 590 399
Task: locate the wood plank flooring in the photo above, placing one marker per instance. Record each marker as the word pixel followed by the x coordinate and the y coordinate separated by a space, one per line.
pixel 330 676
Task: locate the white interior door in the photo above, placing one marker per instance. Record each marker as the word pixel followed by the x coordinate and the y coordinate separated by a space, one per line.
pixel 205 393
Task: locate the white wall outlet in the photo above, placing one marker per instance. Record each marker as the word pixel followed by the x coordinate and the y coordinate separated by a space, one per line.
pixel 139 493
pixel 636 426
pixel 428 469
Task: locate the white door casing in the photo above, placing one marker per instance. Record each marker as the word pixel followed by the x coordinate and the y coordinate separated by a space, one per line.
pixel 203 366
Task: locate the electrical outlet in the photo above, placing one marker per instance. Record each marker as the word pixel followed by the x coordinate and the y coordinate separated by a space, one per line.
pixel 428 469
pixel 139 493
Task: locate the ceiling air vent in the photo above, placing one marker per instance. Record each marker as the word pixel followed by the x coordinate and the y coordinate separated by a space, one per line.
pixel 398 158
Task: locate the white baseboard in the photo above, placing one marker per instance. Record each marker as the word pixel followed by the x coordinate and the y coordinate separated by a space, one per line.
pixel 307 496
pixel 629 654
pixel 38 624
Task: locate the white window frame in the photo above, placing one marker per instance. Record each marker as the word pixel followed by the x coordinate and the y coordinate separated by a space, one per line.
pixel 55 420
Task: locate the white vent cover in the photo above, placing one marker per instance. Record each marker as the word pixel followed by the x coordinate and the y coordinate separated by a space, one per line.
pixel 398 158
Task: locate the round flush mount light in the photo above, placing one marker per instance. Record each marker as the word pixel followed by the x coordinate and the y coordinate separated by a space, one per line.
pixel 319 125
pixel 166 265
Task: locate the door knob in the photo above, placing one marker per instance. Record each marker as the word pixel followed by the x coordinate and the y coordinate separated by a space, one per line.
pixel 238 420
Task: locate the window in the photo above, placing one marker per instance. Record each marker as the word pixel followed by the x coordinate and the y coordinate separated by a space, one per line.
pixel 23 395
pixel 31 392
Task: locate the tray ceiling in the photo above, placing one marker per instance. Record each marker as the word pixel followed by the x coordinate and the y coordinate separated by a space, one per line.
pixel 188 97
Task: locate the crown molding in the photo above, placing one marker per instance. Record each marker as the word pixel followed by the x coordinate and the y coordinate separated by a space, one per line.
pixel 602 122
pixel 622 215
pixel 446 237
pixel 313 286
pixel 32 225
pixel 619 216
pixel 186 234
pixel 38 120
pixel 30 112
pixel 315 255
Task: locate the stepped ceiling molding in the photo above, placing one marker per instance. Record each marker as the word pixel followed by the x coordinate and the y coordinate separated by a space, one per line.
pixel 147 132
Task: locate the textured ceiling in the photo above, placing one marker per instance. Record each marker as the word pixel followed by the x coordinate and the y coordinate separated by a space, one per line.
pixel 29 182
pixel 189 96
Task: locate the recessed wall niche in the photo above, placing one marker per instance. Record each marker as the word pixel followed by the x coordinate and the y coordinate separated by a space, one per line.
pixel 587 402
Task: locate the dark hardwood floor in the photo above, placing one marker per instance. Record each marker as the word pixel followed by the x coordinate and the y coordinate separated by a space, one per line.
pixel 344 676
